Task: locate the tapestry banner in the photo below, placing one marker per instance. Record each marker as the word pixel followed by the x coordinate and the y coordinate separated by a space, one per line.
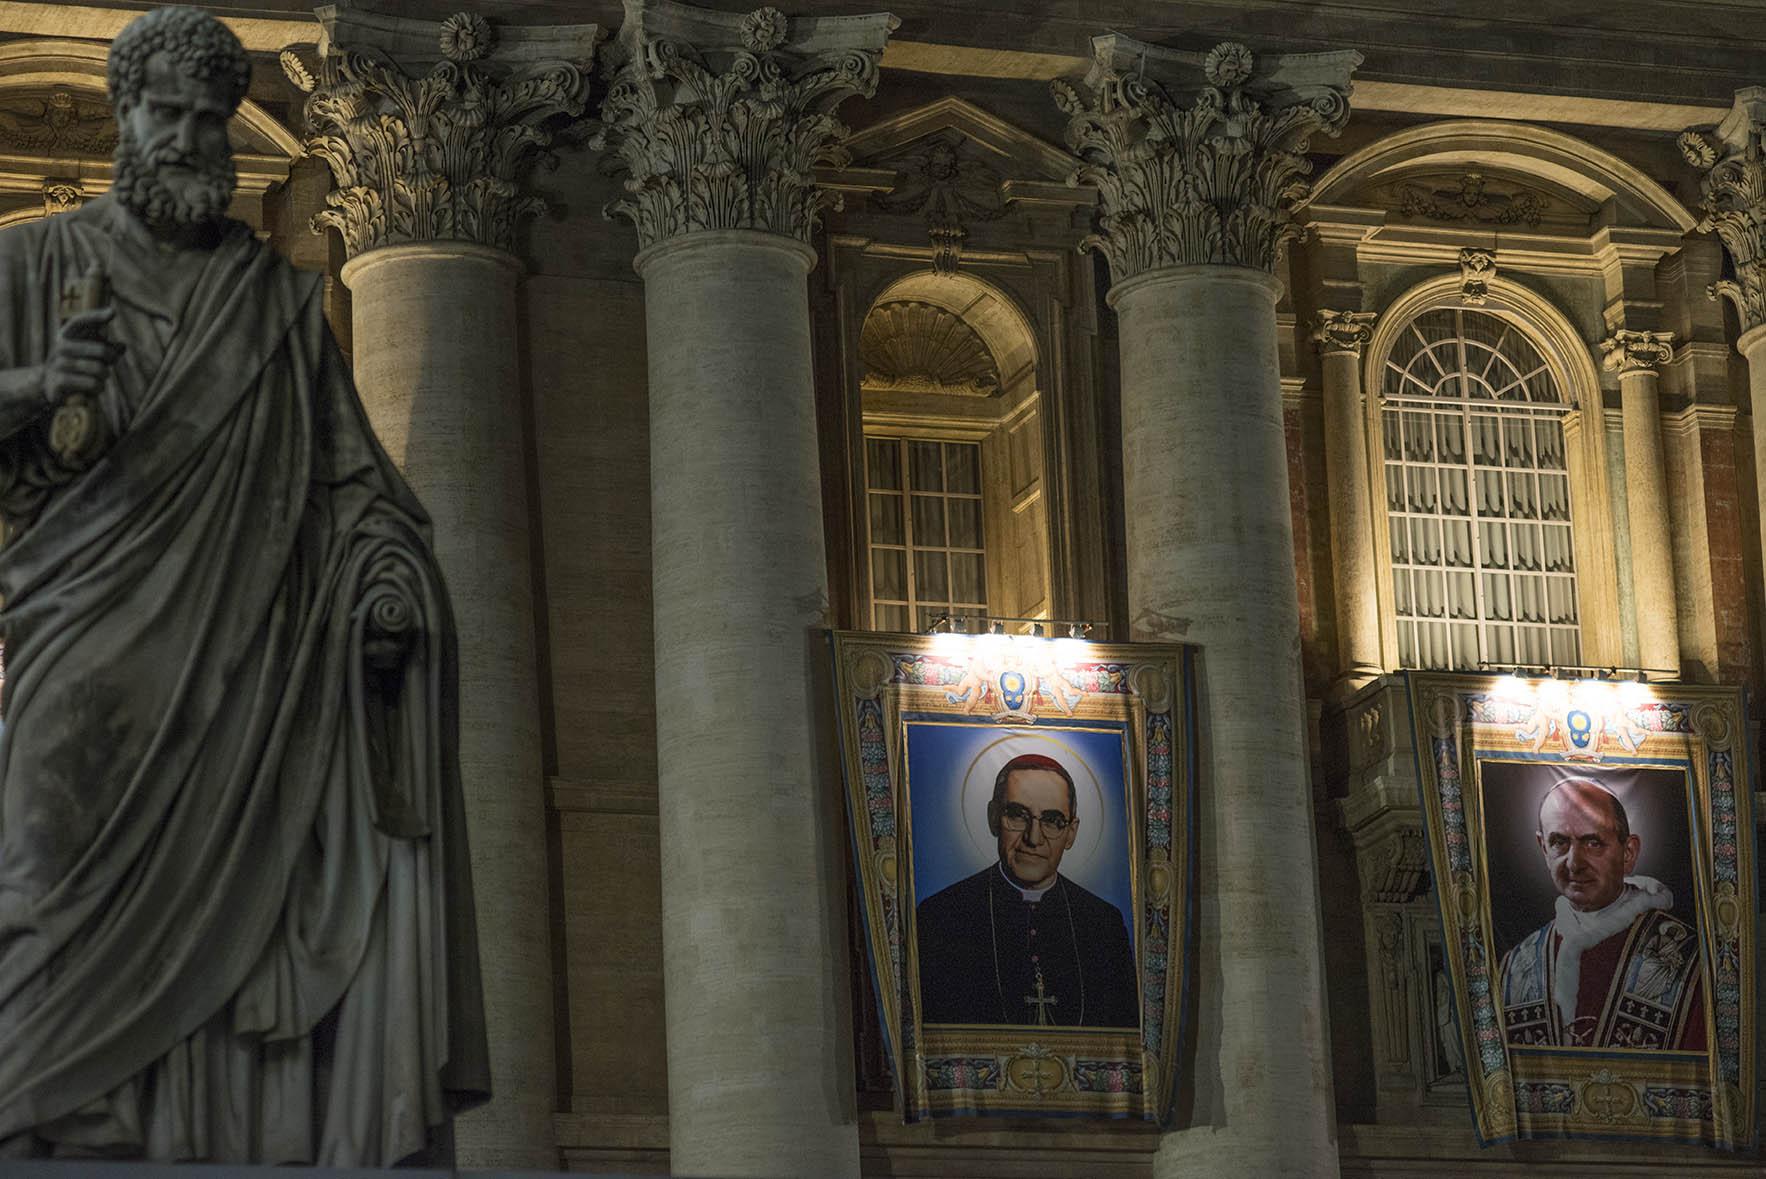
pixel 1593 852
pixel 1021 819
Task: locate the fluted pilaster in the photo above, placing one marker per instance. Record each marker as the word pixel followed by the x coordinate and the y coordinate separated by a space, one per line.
pixel 719 121
pixel 1637 357
pixel 1340 336
pixel 1199 158
pixel 426 126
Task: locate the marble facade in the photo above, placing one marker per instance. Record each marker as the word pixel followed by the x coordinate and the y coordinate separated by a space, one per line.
pixel 605 274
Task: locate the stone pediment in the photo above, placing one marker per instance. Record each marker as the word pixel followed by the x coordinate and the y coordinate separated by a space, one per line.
pixel 888 156
pixel 954 165
pixel 1471 173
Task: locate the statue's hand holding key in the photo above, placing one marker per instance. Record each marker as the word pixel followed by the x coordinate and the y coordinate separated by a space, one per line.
pixel 75 374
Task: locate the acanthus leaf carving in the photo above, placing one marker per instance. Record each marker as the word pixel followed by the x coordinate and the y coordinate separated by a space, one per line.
pixel 433 156
pixel 1194 170
pixel 1732 160
pixel 719 122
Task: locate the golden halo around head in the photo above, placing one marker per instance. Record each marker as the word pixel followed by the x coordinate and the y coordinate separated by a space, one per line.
pixel 977 792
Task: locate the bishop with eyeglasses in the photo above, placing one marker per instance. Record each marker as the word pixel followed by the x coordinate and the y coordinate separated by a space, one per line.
pixel 1017 942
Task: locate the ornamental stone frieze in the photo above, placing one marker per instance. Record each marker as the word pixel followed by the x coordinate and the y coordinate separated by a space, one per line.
pixel 426 125
pixel 1198 158
pixel 1733 198
pixel 718 121
pixel 1343 331
pixel 1627 351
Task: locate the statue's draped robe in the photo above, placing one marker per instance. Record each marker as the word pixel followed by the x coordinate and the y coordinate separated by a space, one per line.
pixel 235 917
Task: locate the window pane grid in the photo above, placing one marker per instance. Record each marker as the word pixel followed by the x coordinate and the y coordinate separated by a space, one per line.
pixel 928 551
pixel 1477 497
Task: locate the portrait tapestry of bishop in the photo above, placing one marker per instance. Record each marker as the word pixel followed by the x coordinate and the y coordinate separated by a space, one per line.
pixel 235 911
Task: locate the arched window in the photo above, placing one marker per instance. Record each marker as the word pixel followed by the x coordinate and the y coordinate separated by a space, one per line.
pixel 1483 566
pixel 955 522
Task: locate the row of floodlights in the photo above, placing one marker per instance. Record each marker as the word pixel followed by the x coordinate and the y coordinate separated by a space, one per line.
pixel 1593 689
pixel 1040 628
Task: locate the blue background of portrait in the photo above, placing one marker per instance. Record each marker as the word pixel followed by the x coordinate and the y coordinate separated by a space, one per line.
pixel 945 851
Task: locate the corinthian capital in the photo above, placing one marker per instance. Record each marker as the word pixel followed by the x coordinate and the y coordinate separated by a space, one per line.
pixel 1198 158
pixel 1627 352
pixel 427 124
pixel 719 120
pixel 1733 198
pixel 1343 331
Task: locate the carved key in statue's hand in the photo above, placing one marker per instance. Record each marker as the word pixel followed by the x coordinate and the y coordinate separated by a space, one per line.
pixel 81 358
pixel 74 376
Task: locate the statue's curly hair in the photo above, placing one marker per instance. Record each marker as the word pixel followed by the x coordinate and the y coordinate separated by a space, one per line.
pixel 195 40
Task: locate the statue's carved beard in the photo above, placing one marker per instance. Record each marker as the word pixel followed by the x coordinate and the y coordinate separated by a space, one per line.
pixel 138 184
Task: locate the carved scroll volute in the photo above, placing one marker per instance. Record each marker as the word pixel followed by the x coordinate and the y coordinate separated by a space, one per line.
pixel 427 125
pixel 1198 158
pixel 1628 351
pixel 1393 866
pixel 1732 161
pixel 1345 331
pixel 719 121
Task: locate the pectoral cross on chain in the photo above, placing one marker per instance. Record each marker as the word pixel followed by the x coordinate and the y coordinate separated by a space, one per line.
pixel 1042 1002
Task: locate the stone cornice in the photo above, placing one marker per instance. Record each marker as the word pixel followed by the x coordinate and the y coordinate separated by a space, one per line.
pixel 1702 417
pixel 1733 200
pixel 1343 331
pixel 1628 352
pixel 719 121
pixel 1198 158
pixel 427 124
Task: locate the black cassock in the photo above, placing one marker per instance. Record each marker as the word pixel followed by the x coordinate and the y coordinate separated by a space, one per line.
pixel 982 945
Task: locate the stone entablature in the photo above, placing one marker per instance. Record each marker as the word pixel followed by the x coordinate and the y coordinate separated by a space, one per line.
pixel 427 124
pixel 1199 158
pixel 1733 160
pixel 719 121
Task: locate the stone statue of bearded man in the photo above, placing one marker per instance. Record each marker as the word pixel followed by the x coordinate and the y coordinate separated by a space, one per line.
pixel 235 912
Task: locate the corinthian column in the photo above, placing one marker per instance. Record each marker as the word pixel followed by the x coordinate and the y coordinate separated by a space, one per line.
pixel 720 121
pixel 1340 336
pixel 1197 160
pixel 1733 160
pixel 425 126
pixel 1636 357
